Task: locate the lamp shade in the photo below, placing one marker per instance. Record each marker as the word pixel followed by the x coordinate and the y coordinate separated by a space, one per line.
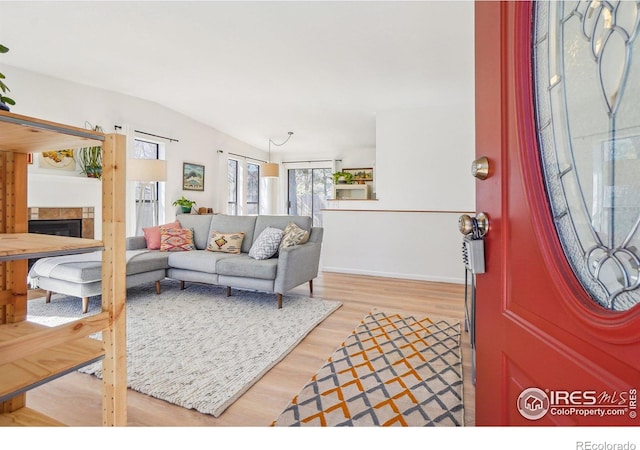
pixel 147 170
pixel 270 170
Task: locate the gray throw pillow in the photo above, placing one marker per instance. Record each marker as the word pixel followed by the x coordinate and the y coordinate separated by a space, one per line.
pixel 267 244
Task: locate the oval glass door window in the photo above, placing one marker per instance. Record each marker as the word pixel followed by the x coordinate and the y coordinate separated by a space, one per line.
pixel 587 90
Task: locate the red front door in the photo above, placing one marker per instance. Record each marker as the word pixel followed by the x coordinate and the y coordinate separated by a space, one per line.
pixel 546 353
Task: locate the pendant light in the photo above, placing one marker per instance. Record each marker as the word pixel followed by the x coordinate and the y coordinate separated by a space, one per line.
pixel 269 169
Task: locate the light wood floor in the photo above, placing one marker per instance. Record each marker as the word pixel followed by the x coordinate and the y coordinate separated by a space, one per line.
pixel 75 399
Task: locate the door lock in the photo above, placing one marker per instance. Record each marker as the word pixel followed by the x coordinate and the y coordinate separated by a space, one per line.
pixel 480 168
pixel 478 225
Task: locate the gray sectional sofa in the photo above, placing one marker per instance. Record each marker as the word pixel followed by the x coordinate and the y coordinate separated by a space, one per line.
pixel 79 275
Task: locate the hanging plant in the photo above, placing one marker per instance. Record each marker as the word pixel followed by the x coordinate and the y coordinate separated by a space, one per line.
pixel 4 100
pixel 90 158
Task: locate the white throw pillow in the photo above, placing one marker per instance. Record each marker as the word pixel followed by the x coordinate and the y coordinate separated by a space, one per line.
pixel 267 244
pixel 293 235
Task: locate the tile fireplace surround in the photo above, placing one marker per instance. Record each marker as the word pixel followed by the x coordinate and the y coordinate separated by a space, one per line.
pixel 85 213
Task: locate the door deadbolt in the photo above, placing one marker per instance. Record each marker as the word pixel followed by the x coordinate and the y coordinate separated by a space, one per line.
pixel 478 225
pixel 480 168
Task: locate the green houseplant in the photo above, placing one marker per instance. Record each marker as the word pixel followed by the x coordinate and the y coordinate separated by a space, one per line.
pixel 338 178
pixel 90 158
pixel 4 101
pixel 185 204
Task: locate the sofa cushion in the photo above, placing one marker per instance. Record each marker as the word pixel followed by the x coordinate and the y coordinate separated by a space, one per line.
pixel 244 266
pixel 91 271
pixel 176 240
pixel 198 260
pixel 281 222
pixel 225 242
pixel 224 223
pixel 200 224
pixel 266 245
pixel 147 262
pixel 293 235
pixel 152 234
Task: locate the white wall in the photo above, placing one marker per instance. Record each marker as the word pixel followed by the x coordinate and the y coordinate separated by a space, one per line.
pixel 424 158
pixel 74 104
pixel 423 184
pixel 410 245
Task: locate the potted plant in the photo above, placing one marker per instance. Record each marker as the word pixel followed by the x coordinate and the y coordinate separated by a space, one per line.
pixel 185 204
pixel 4 101
pixel 342 178
pixel 90 158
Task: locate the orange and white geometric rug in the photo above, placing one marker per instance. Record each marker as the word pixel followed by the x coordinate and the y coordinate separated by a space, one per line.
pixel 391 371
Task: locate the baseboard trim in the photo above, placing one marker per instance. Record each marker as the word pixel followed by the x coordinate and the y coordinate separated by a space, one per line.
pixel 403 276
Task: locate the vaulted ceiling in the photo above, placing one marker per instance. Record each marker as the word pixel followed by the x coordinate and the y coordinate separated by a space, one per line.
pixel 256 70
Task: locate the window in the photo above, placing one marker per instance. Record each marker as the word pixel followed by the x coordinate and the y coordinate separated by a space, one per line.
pixel 308 192
pixel 243 187
pixel 146 194
pixel 253 188
pixel 232 182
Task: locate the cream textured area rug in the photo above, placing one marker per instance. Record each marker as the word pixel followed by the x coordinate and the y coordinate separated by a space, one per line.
pixel 197 348
pixel 391 371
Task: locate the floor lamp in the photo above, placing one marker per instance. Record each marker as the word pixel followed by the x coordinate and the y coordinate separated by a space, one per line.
pixel 147 172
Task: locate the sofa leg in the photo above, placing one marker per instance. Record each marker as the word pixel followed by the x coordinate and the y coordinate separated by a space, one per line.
pixel 85 305
pixel 279 299
pixel 181 285
pixel 47 298
pixel 228 291
pixel 311 287
pixel 158 287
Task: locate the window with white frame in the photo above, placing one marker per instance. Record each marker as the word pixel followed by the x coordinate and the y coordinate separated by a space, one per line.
pixel 243 187
pixel 253 188
pixel 308 191
pixel 232 187
pixel 146 194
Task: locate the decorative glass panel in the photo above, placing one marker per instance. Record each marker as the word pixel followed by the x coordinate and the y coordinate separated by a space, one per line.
pixel 587 89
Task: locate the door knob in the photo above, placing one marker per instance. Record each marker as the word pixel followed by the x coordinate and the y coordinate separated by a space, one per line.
pixel 478 225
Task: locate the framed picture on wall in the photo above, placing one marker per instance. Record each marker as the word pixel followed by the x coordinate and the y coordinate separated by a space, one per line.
pixel 57 159
pixel 361 174
pixel 192 177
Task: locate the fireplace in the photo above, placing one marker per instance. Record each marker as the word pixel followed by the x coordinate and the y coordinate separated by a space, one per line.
pixel 72 222
pixel 55 218
pixel 59 227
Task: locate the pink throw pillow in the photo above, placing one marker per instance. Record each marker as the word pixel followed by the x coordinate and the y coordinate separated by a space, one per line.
pixel 152 234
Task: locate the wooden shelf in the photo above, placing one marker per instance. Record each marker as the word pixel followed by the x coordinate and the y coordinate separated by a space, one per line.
pixel 27 417
pixel 351 192
pixel 31 354
pixel 32 245
pixel 22 134
pixel 33 370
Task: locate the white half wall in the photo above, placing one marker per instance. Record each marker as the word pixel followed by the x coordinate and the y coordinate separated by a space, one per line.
pixel 409 245
pixel 423 185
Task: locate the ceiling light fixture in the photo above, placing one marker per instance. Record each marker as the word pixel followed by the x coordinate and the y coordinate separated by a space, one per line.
pixel 269 169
